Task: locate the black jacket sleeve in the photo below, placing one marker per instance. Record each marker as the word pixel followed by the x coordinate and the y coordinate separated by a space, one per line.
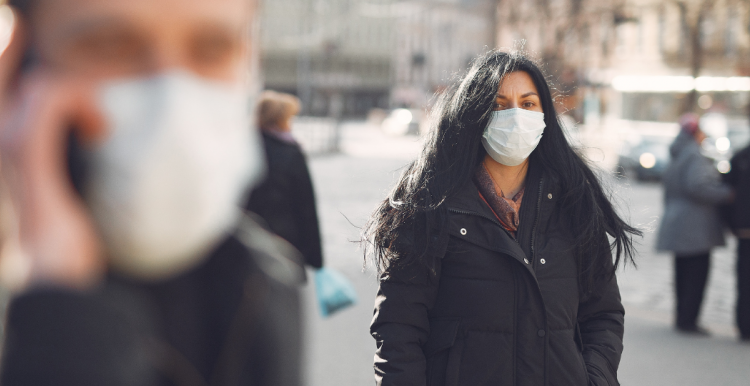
pixel 401 324
pixel 60 337
pixel 286 199
pixel 601 319
pixel 307 214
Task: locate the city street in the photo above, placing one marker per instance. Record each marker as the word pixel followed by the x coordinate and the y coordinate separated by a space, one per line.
pixel 339 350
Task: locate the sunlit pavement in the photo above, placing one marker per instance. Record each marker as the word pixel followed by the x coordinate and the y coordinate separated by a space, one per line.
pixel 339 350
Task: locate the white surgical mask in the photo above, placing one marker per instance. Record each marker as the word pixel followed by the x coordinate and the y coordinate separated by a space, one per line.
pixel 166 184
pixel 512 134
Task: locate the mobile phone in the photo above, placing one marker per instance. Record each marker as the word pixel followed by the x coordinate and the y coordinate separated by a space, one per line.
pixel 77 162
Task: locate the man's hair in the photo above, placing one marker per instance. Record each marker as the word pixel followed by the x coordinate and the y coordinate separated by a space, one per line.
pixel 274 108
pixel 22 6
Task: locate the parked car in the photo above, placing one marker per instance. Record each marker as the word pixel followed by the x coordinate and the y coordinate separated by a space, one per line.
pixel 725 136
pixel 646 159
pixel 403 122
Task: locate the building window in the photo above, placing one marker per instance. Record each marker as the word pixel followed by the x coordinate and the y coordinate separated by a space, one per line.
pixel 661 28
pixel 730 39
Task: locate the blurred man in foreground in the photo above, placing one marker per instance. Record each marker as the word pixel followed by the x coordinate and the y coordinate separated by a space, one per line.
pixel 127 148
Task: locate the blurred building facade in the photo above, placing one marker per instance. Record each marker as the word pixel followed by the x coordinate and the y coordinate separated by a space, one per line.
pixel 435 40
pixel 336 55
pixel 650 46
pixel 346 57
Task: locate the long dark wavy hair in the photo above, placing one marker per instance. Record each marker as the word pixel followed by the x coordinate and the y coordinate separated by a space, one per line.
pixel 403 228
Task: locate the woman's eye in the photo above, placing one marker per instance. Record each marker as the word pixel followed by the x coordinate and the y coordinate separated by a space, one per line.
pixel 529 104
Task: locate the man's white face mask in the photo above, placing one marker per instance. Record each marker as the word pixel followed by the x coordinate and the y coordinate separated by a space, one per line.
pixel 166 184
pixel 511 135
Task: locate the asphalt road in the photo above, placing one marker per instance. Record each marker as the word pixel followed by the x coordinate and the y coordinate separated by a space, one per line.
pixel 339 350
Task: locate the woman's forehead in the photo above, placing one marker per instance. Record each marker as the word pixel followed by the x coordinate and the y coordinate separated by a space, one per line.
pixel 516 82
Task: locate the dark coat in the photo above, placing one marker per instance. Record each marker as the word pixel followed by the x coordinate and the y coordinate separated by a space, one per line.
pixel 286 200
pixel 497 311
pixel 739 179
pixel 693 190
pixel 231 321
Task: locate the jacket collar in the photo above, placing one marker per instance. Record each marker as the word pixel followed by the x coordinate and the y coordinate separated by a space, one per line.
pixel 467 198
pixel 468 202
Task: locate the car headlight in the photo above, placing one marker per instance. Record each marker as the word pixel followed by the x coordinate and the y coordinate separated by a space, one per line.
pixel 403 116
pixel 647 160
pixel 723 145
pixel 724 166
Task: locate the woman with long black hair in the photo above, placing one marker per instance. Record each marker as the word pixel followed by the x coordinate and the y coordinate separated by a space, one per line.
pixel 493 252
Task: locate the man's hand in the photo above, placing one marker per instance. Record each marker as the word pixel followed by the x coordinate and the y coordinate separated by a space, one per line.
pixel 37 109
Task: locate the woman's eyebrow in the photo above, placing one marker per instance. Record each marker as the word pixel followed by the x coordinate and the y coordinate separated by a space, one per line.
pixel 528 94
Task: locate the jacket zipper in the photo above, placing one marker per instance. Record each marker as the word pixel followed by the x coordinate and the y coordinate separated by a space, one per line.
pixel 493 220
pixel 536 220
pixel 533 265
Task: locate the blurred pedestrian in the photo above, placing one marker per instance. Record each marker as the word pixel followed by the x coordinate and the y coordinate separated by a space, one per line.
pixel 492 249
pixel 127 153
pixel 739 219
pixel 286 199
pixel 691 225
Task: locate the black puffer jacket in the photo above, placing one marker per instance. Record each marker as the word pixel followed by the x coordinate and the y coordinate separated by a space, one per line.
pixel 496 311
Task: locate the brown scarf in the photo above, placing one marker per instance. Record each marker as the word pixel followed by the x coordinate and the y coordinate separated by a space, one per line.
pixel 505 209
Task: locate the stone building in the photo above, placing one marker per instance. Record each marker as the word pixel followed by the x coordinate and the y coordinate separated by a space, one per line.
pixel 435 40
pixel 336 55
pixel 345 57
pixel 645 60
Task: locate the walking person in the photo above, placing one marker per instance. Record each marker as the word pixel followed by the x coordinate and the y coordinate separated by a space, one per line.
pixel 495 267
pixel 739 179
pixel 286 199
pixel 691 224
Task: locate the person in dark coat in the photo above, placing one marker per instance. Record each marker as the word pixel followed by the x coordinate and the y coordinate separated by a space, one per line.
pixel 691 225
pixel 739 179
pixel 286 199
pixel 140 268
pixel 495 267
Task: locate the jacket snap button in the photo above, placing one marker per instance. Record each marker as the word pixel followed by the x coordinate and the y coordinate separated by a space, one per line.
pixel 549 196
pixel 463 231
pixel 543 261
pixel 541 333
pixel 526 261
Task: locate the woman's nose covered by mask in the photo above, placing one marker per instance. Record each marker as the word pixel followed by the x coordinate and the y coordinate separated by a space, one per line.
pixel 511 135
pixel 166 184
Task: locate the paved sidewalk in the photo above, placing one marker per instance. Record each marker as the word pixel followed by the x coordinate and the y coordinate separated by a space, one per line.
pixel 655 355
